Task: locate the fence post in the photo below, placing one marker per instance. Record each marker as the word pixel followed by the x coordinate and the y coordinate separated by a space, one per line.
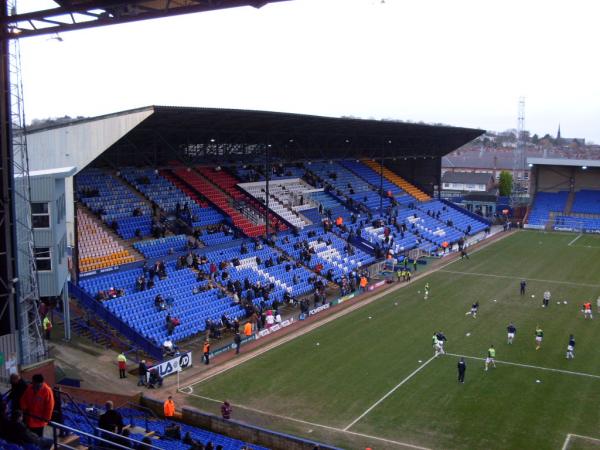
pixel 54 437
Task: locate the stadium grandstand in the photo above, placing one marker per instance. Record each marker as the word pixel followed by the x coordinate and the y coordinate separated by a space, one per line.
pixel 194 223
pixel 247 276
pixel 566 195
pixel 163 237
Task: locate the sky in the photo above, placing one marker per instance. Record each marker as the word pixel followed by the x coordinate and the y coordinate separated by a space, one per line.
pixel 459 62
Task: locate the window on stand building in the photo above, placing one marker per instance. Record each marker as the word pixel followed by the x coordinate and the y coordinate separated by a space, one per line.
pixel 43 258
pixel 40 215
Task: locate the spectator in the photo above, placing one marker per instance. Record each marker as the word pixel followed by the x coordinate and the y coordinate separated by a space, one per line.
pixel 206 351
pixel 237 339
pixel 4 422
pixel 248 329
pixel 270 319
pixel 226 410
pixel 194 445
pixel 17 433
pixel 155 380
pixel 125 439
pixel 57 413
pixel 111 420
pixel 146 444
pixel 37 403
pixel 142 371
pixel 169 407
pixel 173 431
pixel 17 389
pixel 168 347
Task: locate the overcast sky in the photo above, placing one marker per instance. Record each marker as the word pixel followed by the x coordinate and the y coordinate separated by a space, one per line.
pixel 463 63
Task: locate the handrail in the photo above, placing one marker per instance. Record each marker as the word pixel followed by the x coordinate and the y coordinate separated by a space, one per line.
pixel 81 413
pixel 81 321
pixel 103 313
pixel 91 437
pixel 143 408
pixel 466 212
pixel 120 436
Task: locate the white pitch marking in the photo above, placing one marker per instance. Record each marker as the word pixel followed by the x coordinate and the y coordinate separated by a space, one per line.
pixel 325 321
pixel 417 370
pixel 566 443
pixel 510 277
pixel 189 390
pixel 568 439
pixel 574 240
pixel 529 366
pixel 327 427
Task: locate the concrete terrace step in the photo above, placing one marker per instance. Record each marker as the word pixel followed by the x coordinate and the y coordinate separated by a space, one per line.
pixel 125 244
pixel 398 181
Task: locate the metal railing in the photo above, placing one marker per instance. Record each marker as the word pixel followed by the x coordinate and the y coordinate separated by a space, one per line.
pixel 98 442
pixel 104 314
pixel 148 413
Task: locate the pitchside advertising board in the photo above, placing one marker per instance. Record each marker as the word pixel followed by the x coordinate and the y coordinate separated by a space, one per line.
pixel 266 331
pixel 174 365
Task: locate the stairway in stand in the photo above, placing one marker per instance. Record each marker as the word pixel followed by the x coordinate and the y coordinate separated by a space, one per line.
pixel 228 183
pixel 569 204
pixel 398 180
pixel 220 199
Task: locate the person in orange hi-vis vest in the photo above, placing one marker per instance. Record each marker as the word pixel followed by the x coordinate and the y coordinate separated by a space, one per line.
pixel 339 221
pixel 363 283
pixel 206 351
pixel 248 329
pixel 37 404
pixel 169 407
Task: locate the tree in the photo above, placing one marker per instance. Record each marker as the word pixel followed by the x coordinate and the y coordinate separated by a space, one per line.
pixel 505 184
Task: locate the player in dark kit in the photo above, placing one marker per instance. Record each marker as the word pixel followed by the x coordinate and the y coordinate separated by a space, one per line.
pixel 571 347
pixel 511 330
pixel 523 286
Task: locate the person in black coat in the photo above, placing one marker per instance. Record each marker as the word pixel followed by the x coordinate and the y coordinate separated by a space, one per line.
pixel 237 339
pixel 17 433
pixel 17 388
pixel 142 371
pixel 111 420
pixel 462 368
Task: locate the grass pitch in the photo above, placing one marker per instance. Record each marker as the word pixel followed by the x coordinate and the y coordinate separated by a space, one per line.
pixel 362 379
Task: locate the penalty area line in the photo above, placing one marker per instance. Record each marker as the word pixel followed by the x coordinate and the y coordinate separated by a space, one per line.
pixel 305 422
pixel 529 366
pixel 512 277
pixel 574 240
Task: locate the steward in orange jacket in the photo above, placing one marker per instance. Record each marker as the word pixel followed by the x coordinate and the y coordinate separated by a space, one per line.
pixel 169 407
pixel 37 404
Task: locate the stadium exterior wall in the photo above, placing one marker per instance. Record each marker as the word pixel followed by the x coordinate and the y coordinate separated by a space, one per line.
pixel 49 187
pixel 78 145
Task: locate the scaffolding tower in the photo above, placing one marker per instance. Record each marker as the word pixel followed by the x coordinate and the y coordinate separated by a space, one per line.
pixel 32 345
